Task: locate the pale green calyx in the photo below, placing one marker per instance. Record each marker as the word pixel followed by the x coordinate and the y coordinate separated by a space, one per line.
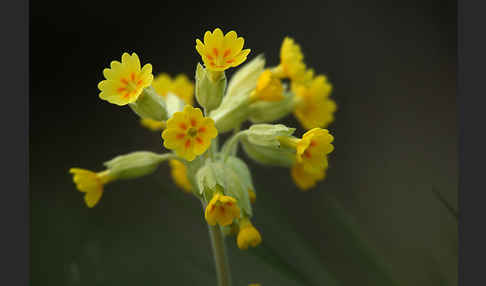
pixel 267 134
pixel 173 104
pixel 150 105
pixel 209 176
pixel 135 164
pixel 245 79
pixel 231 113
pixel 209 93
pixel 265 111
pixel 269 155
pixel 242 170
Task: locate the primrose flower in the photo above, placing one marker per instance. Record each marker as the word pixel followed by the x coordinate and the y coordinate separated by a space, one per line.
pixel 313 148
pixel 248 235
pixel 305 179
pixel 125 81
pixel 90 183
pixel 181 86
pixel 314 108
pixel 189 133
pixel 222 210
pixel 291 60
pixel 269 88
pixel 220 52
pixel 179 175
pixel 153 125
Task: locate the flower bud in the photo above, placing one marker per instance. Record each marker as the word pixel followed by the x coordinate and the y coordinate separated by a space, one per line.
pixel 150 105
pixel 209 93
pixel 134 165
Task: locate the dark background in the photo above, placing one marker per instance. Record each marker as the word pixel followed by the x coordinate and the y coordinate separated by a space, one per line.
pixel 393 68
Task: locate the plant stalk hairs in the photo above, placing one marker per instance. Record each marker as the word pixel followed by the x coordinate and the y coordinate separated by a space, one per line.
pixel 200 166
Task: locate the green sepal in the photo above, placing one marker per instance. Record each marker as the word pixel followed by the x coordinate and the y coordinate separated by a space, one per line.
pixel 135 164
pixel 265 111
pixel 267 134
pixel 150 105
pixel 209 94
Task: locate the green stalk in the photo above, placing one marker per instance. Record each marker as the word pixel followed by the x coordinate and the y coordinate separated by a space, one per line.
pixel 220 258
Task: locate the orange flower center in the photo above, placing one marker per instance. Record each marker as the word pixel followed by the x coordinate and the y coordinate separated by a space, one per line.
pixel 130 85
pixel 192 132
pixel 218 59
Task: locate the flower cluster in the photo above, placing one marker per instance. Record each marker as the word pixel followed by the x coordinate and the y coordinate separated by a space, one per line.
pixel 200 165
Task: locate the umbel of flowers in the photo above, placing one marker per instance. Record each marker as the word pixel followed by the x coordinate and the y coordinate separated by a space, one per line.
pixel 200 164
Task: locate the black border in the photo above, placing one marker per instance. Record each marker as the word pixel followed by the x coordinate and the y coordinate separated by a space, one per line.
pixel 471 77
pixel 14 115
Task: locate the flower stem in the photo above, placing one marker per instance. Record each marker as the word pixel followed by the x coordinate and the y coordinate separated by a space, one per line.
pixel 220 258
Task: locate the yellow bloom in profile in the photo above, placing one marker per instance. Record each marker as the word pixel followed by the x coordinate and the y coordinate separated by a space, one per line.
pixel 291 60
pixel 125 81
pixel 313 148
pixel 90 183
pixel 314 108
pixel 189 133
pixel 181 86
pixel 268 88
pixel 220 52
pixel 222 210
pixel 179 173
pixel 305 179
pixel 248 235
pixel 153 125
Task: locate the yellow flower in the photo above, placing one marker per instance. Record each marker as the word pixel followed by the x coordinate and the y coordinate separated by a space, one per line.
pixel 305 179
pixel 248 235
pixel 314 108
pixel 188 133
pixel 269 88
pixel 125 81
pixel 252 196
pixel 313 148
pixel 291 60
pixel 181 86
pixel 179 174
pixel 254 284
pixel 90 183
pixel 151 124
pixel 222 210
pixel 220 52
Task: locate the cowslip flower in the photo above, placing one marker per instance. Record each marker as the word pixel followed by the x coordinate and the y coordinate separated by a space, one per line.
pixel 181 86
pixel 90 183
pixel 312 149
pixel 248 235
pixel 305 179
pixel 189 133
pixel 292 64
pixel 125 80
pixel 221 210
pixel 220 52
pixel 313 107
pixel 179 174
pixel 268 88
pixel 153 125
